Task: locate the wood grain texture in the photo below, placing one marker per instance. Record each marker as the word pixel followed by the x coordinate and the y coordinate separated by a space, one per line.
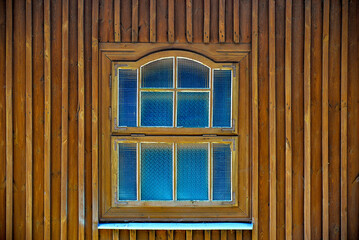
pixel 344 123
pixel 206 18
pixel 222 21
pixel 117 20
pixel 171 21
pixel 188 234
pixel 272 123
pixel 95 124
pixel 236 21
pixel 254 103
pixel 47 136
pixel 9 119
pixel 189 28
pixel 134 20
pixel 153 23
pixel 288 121
pixel 29 134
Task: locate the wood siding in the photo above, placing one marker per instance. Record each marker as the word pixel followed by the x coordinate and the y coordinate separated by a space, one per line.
pixel 304 119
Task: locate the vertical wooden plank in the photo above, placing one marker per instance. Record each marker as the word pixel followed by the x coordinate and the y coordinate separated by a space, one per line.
pixel 189 34
pixel 207 235
pixel 28 119
pixel 272 125
pixel 307 143
pixel 325 122
pixel 153 23
pixel 81 122
pixel 206 24
pixel 236 21
pixel 106 25
pixel 94 134
pixel 169 234
pixel 117 20
pixel 47 137
pixel 344 122
pixel 255 117
pixel 144 21
pixel 9 125
pixel 64 116
pixel 171 21
pixel 134 20
pixel 228 21
pixel 239 235
pixel 214 21
pixel 152 235
pixel 162 21
pixel 197 21
pixel 188 234
pixel 115 234
pixel 288 120
pixel 222 17
pixel 223 234
pixel 132 234
pixel 245 21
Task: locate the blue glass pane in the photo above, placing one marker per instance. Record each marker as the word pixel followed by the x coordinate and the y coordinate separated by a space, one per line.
pixel 192 74
pixel 127 184
pixel 192 171
pixel 158 74
pixel 192 109
pixel 222 172
pixel 127 97
pixel 157 109
pixel 222 81
pixel 156 171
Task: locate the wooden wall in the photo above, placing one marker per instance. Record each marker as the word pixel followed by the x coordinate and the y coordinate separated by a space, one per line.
pixel 305 110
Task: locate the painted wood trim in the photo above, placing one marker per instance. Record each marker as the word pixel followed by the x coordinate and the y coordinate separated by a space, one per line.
pixel 307 119
pixel 222 21
pixel 206 19
pixel 255 118
pixel 9 118
pixel 117 20
pixel 272 126
pixel 344 123
pixel 95 126
pixel 153 23
pixel 134 20
pixel 81 122
pixel 171 21
pixel 64 117
pixel 47 134
pixel 28 119
pixel 288 122
pixel 189 34
pixel 325 121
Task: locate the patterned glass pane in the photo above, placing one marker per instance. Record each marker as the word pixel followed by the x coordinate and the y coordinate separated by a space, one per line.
pixel 192 109
pixel 127 97
pixel 192 74
pixel 222 172
pixel 192 171
pixel 222 81
pixel 157 109
pixel 156 171
pixel 158 74
pixel 127 184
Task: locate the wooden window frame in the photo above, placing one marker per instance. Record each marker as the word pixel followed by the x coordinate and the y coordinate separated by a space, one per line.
pixel 240 209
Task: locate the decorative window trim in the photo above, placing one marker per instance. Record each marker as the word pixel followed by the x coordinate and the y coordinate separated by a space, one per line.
pixel 108 211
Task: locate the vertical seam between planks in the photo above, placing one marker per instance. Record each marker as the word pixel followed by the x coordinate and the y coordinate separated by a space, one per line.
pixel 307 119
pixel 81 123
pixel 134 20
pixel 117 20
pixel 64 118
pixel 9 126
pixel 222 17
pixel 236 21
pixel 288 122
pixel 189 33
pixel 28 119
pixel 272 124
pixel 255 117
pixel 94 134
pixel 47 137
pixel 325 112
pixel 171 27
pixel 344 121
pixel 153 23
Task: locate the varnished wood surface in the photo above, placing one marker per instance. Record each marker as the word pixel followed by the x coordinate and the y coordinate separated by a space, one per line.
pixel 49 109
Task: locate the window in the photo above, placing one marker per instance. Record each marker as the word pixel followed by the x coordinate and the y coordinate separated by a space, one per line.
pixel 172 144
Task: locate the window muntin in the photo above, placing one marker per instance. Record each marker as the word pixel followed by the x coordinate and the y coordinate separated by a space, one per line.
pixel 175 171
pixel 175 74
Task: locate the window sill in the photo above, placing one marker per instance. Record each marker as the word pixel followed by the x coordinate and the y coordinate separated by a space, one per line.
pixel 178 226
